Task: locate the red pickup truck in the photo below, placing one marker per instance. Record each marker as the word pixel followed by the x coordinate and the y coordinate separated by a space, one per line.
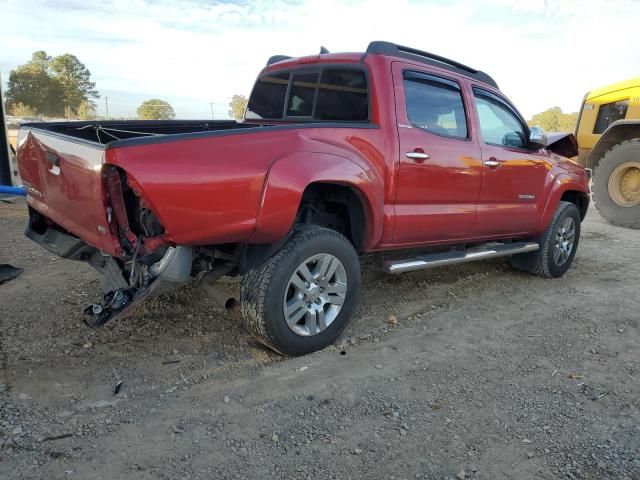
pixel 386 150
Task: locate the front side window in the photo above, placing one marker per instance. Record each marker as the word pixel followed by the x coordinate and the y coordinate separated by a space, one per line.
pixel 609 113
pixel 499 124
pixel 328 94
pixel 435 104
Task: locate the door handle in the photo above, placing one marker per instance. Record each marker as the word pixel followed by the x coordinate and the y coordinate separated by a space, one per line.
pixel 492 163
pixel 418 156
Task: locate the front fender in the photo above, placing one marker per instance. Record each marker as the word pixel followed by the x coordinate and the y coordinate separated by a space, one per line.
pixel 563 182
pixel 289 176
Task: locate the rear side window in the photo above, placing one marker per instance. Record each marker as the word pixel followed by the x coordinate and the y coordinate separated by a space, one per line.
pixel 342 96
pixel 268 96
pixel 329 94
pixel 609 113
pixel 435 104
pixel 499 124
pixel 303 94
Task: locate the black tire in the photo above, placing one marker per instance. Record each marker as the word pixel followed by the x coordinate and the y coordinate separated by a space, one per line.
pixel 263 289
pixel 616 214
pixel 542 262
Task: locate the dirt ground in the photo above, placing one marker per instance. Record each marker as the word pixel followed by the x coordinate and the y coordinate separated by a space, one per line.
pixel 488 374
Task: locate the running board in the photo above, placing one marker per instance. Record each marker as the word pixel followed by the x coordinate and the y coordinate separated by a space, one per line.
pixel 453 257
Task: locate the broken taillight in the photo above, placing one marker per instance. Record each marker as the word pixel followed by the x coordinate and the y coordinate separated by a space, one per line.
pixel 117 215
pixel 129 215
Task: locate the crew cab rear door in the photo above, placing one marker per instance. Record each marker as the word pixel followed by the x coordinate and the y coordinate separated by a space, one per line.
pixel 439 164
pixel 513 176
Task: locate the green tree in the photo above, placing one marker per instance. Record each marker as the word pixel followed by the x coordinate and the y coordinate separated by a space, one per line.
pixel 237 106
pixel 40 59
pixel 53 86
pixel 32 85
pixel 86 111
pixel 75 80
pixel 553 120
pixel 22 110
pixel 155 109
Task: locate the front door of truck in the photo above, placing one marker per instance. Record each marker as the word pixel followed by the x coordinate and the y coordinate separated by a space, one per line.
pixel 513 177
pixel 439 165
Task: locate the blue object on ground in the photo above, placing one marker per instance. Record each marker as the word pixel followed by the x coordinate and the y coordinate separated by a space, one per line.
pixel 13 190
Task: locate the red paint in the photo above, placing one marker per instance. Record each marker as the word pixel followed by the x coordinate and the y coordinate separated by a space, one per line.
pixel 75 198
pixel 247 187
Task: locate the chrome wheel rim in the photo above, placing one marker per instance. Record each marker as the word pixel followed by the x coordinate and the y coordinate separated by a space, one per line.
pixel 565 239
pixel 314 295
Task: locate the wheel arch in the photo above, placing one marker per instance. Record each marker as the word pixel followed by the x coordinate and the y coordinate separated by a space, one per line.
pixel 337 206
pixel 579 199
pixel 565 188
pixel 292 177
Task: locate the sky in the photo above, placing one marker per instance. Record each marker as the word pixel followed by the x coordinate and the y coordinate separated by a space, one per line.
pixel 197 53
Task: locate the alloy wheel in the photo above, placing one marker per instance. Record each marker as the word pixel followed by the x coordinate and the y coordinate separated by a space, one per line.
pixel 565 239
pixel 315 294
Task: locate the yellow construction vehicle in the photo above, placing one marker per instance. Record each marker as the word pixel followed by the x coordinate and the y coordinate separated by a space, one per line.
pixel 608 134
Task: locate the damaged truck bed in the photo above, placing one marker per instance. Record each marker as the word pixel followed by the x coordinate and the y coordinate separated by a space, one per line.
pixel 99 203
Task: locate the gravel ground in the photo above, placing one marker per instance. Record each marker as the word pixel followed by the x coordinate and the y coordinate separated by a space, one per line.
pixel 486 373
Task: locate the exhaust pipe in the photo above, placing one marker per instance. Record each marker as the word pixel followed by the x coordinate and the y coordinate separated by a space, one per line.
pixel 208 286
pixel 221 298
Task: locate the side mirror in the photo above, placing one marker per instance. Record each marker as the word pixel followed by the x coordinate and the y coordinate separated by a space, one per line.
pixel 513 139
pixel 537 138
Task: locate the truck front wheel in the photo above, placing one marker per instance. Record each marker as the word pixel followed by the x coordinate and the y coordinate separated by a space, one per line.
pixel 616 184
pixel 302 298
pixel 558 245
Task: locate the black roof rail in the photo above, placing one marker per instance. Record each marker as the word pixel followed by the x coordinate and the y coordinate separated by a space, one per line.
pixel 277 58
pixel 388 48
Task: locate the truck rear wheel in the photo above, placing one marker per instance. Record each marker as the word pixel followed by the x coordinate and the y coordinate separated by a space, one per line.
pixel 616 184
pixel 302 298
pixel 558 245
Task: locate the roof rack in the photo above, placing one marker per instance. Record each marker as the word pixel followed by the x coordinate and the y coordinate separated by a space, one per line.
pixel 388 48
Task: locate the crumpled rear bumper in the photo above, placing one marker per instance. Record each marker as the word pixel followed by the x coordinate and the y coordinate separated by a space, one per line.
pixel 169 272
pixel 56 241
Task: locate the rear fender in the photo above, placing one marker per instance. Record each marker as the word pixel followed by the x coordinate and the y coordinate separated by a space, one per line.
pixel 288 178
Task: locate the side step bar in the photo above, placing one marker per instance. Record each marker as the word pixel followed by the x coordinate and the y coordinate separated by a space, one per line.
pixel 452 257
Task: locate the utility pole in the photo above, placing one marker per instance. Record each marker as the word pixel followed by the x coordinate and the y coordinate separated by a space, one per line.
pixel 106 102
pixel 211 105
